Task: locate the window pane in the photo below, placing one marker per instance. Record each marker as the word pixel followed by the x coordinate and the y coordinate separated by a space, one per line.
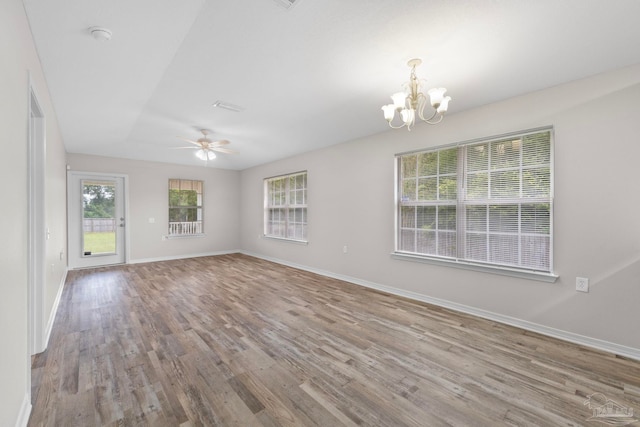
pixel 536 219
pixel 478 158
pixel 447 242
pixel 408 190
pixel 426 242
pixel 183 198
pixel 426 217
pixel 183 214
pixel 505 184
pixel 478 186
pixel 409 166
pixel 476 218
pixel 505 154
pixel 277 222
pixel 407 241
pixel 503 218
pixel 448 161
pixel 503 249
pixel 536 149
pixel 535 252
pixel 536 182
pixel 428 164
pixel 448 188
pixel 98 217
pixel 427 188
pixel 447 218
pixel 476 247
pixel 408 217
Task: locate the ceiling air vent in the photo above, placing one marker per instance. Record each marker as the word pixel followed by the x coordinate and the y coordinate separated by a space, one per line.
pixel 287 4
pixel 228 106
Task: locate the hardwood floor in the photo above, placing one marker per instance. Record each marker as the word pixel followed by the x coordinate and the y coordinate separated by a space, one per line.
pixel 238 341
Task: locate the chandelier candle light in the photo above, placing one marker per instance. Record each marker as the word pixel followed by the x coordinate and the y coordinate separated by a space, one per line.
pixel 408 104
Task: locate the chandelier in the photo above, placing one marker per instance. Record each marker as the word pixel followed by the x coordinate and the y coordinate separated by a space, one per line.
pixel 413 103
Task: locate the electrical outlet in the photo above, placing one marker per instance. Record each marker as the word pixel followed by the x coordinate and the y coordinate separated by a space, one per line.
pixel 345 249
pixel 582 284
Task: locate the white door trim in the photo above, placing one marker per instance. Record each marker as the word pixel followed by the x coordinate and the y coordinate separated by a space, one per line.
pixel 37 233
pixel 70 218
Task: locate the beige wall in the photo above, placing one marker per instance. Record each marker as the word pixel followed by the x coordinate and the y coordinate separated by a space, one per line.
pixel 148 198
pixel 19 58
pixel 597 230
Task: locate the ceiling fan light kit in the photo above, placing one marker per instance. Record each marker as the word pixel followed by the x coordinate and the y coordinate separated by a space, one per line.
pixel 205 154
pixel 412 102
pixel 206 148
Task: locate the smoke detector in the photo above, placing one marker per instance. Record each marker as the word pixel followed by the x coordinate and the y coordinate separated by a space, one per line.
pixel 100 33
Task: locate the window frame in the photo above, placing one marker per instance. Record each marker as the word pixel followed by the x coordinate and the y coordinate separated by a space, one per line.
pixel 196 228
pixel 461 202
pixel 287 208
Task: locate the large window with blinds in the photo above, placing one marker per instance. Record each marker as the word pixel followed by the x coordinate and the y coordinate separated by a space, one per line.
pixel 486 202
pixel 185 207
pixel 285 207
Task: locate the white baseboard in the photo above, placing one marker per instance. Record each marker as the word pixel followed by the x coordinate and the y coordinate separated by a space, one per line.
pixel 610 347
pixel 54 310
pixel 174 257
pixel 25 412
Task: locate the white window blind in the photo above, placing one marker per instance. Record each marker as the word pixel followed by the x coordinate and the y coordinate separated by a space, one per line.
pixel 487 202
pixel 285 213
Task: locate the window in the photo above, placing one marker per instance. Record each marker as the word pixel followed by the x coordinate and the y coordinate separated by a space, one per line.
pixel 285 207
pixel 486 202
pixel 185 207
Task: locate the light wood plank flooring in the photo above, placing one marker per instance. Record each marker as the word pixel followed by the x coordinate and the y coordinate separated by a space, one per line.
pixel 238 341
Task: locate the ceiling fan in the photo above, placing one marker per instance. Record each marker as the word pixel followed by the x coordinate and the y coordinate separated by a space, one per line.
pixel 206 147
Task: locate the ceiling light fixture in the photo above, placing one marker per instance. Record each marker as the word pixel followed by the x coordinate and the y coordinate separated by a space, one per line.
pixel 205 154
pixel 412 103
pixel 101 34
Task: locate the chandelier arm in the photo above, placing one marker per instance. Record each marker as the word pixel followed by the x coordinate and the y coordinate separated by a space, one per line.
pixel 396 127
pixel 437 121
pixel 428 120
pixel 422 102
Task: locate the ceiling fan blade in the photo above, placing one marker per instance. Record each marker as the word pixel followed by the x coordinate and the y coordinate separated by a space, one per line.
pixel 219 143
pixel 223 150
pixel 179 148
pixel 190 141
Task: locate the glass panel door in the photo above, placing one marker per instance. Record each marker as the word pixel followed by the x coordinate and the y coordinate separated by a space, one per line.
pixel 98 217
pixel 97 227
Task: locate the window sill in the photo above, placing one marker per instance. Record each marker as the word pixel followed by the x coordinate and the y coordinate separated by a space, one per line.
pixel 184 236
pixel 282 239
pixel 465 265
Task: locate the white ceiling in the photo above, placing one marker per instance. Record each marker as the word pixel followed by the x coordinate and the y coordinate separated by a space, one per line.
pixel 308 77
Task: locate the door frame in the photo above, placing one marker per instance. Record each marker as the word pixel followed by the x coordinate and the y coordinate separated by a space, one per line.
pixel 125 200
pixel 37 232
